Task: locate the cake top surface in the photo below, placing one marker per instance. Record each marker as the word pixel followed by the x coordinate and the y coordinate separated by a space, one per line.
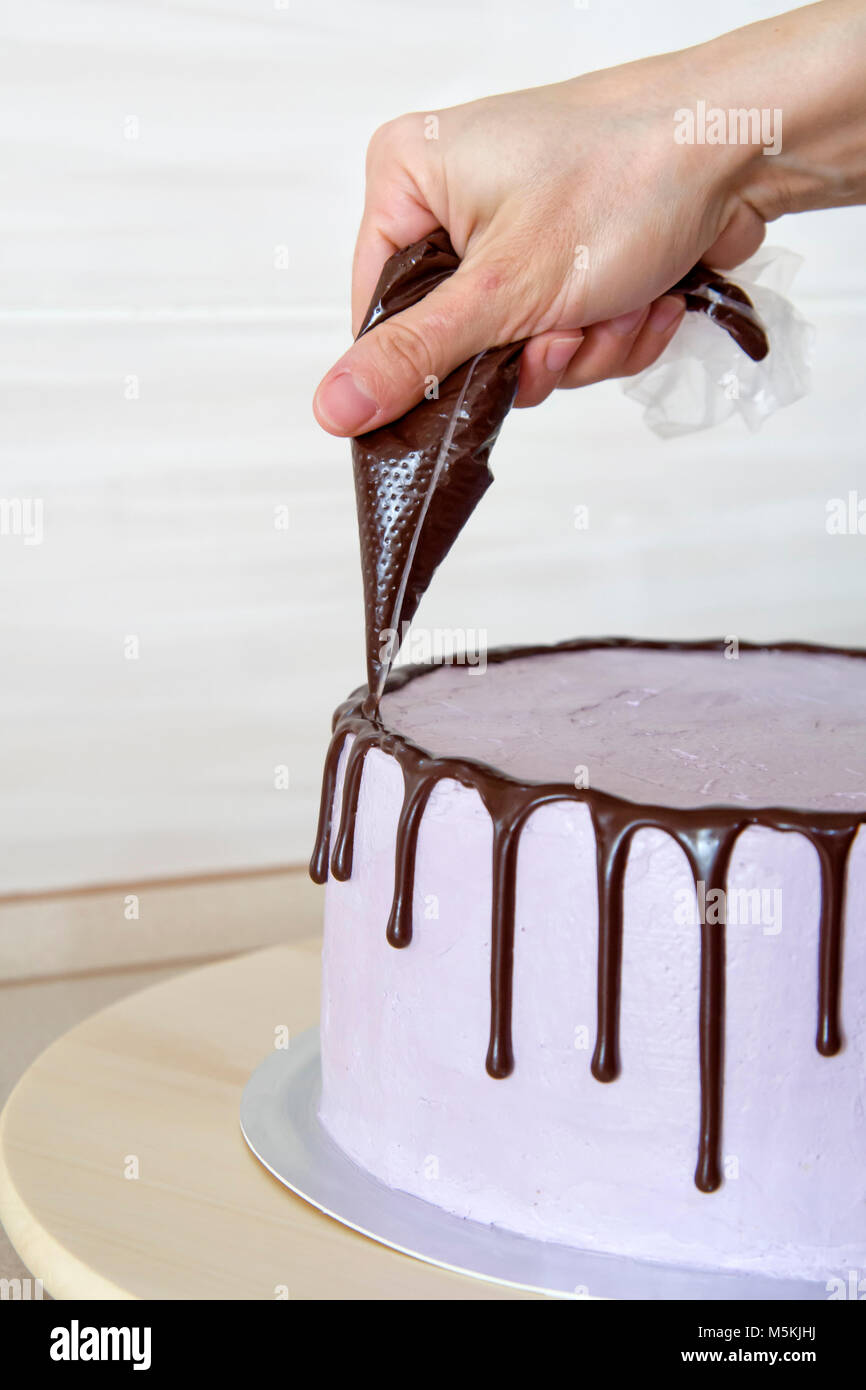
pixel 663 727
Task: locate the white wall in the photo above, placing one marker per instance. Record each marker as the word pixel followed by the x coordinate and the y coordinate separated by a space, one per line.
pixel 154 258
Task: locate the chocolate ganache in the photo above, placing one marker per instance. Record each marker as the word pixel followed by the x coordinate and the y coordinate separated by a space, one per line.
pixel 417 482
pixel 707 836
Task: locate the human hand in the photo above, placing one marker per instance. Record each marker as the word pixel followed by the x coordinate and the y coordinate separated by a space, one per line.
pixel 574 209
pixel 572 217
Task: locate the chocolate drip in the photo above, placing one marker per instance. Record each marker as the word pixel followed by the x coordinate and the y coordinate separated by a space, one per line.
pixel 833 846
pixel 708 850
pixel 319 861
pixel 508 811
pixel 614 827
pixel 706 835
pixel 500 1052
pixel 418 789
pixel 341 860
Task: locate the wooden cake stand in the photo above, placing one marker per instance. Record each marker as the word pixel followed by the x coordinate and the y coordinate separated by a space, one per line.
pixel 123 1172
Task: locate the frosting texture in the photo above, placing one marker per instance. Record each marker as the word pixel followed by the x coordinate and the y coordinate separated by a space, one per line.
pixel 706 834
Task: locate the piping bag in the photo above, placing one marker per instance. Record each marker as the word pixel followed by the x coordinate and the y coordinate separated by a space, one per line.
pixel 419 478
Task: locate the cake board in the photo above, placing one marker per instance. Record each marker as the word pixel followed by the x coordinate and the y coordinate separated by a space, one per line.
pixel 279 1120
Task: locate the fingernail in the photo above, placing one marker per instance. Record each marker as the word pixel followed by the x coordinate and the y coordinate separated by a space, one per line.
pixel 560 352
pixel 343 404
pixel 627 323
pixel 666 311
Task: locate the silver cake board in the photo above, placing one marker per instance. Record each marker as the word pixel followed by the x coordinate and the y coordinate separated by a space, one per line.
pixel 280 1123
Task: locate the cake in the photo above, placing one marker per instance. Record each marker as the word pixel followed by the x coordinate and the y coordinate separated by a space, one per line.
pixel 583 959
pixel 587 906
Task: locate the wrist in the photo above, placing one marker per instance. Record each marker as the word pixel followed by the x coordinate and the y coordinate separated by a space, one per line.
pixel 792 93
pixel 719 125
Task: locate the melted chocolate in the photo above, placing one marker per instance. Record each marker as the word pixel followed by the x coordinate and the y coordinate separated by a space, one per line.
pixel 707 836
pixel 418 479
pixel 708 292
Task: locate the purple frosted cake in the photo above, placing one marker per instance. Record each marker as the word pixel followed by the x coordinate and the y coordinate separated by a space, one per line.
pixel 665 926
pixel 595 928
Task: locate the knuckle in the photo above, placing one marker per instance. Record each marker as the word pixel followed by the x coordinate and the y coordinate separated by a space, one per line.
pixel 377 145
pixel 639 360
pixel 409 349
pixel 583 376
pixel 497 275
pixel 386 138
pixel 491 278
pixel 504 289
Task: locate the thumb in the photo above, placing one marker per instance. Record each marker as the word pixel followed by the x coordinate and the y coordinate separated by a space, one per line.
pixel 387 371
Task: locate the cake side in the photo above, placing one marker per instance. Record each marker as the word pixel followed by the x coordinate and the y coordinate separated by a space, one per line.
pixel 706 1030
pixel 549 1152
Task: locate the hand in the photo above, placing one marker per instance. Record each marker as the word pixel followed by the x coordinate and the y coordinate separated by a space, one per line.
pixel 574 210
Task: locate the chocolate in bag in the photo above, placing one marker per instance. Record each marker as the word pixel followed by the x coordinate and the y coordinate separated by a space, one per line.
pixel 709 292
pixel 418 479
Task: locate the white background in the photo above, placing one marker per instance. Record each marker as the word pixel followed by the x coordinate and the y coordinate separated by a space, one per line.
pixel 154 257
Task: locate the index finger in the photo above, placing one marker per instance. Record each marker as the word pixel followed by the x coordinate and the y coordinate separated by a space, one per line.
pixel 396 213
